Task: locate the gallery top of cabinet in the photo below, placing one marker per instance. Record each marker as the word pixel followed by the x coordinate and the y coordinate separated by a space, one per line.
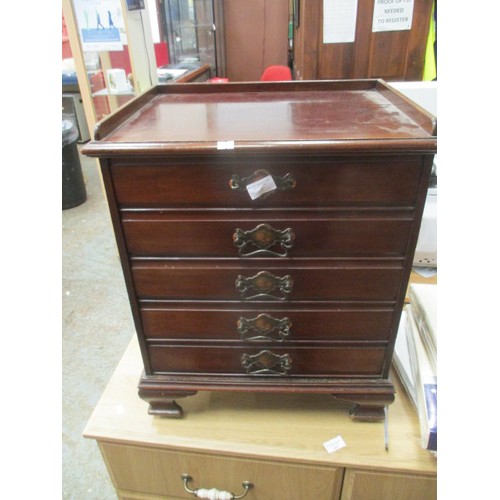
pixel 343 116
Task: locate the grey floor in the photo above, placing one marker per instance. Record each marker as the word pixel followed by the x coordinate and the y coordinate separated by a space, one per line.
pixel 96 325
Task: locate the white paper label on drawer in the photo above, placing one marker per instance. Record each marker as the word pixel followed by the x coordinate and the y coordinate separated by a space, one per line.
pixel 225 145
pixel 334 444
pixel 262 186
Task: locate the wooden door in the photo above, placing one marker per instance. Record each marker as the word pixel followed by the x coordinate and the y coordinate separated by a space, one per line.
pixel 391 55
pixel 255 36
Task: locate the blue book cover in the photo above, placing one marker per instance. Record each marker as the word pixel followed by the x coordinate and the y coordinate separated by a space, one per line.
pixel 430 393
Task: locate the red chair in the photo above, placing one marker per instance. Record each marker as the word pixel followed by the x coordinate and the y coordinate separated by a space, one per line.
pixel 276 74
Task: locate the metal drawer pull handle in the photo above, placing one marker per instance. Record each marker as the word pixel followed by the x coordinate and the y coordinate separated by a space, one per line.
pixel 264 237
pixel 214 494
pixel 265 285
pixel 264 327
pixel 284 183
pixel 266 363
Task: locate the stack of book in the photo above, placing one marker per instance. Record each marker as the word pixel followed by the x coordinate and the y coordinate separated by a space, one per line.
pixel 415 358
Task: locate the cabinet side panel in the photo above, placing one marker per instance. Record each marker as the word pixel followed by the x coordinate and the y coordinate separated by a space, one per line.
pixel 123 253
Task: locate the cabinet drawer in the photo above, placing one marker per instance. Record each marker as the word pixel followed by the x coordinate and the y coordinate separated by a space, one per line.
pixel 198 234
pixel 158 472
pixel 266 360
pixel 375 485
pixel 256 280
pixel 301 182
pixel 269 322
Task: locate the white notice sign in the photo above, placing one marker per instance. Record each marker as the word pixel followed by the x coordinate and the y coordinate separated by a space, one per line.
pixel 392 15
pixel 339 21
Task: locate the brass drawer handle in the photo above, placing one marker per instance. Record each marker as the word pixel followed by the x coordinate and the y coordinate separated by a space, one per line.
pixel 265 285
pixel 266 363
pixel 213 493
pixel 264 327
pixel 263 237
pixel 284 183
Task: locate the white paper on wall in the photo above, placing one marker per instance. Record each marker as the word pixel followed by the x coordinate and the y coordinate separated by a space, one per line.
pixel 392 15
pixel 339 21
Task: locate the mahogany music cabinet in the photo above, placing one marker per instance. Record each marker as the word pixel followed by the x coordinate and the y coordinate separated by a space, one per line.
pixel 266 233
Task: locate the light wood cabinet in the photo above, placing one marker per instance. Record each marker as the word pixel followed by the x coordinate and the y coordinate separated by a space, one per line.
pixel 275 443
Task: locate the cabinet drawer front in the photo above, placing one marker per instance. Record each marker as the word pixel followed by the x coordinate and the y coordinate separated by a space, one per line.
pixel 261 361
pixel 269 322
pixel 158 472
pixel 208 280
pixel 374 485
pixel 150 234
pixel 376 181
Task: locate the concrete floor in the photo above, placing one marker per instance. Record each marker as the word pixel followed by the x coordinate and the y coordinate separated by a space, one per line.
pixel 97 326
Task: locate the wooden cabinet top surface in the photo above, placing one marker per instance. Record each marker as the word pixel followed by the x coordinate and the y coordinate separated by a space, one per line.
pixel 291 428
pixel 339 115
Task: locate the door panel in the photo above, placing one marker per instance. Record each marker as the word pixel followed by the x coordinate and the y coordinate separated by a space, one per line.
pixel 256 36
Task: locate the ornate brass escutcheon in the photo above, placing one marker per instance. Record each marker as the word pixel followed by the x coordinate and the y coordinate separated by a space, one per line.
pixel 283 183
pixel 264 327
pixel 266 363
pixel 265 285
pixel 264 237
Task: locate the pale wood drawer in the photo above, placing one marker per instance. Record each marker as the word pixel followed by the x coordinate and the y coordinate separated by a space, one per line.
pixel 158 472
pixel 368 485
pixel 131 495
